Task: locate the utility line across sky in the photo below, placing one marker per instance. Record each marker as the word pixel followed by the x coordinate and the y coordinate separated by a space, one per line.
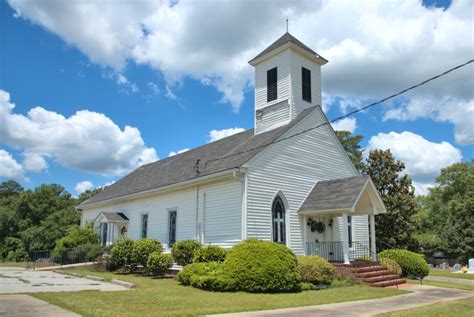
pixel 196 167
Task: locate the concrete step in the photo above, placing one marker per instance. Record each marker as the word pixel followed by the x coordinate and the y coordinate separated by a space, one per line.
pixel 369 268
pixel 380 278
pixel 372 274
pixel 397 281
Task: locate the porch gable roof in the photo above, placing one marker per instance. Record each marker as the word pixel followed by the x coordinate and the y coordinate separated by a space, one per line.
pixel 111 217
pixel 340 194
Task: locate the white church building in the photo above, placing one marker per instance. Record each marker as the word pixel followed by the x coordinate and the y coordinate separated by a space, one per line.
pixel 288 180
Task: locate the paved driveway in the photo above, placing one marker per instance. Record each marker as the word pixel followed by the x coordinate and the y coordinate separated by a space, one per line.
pixel 20 280
pixel 422 295
pixel 25 306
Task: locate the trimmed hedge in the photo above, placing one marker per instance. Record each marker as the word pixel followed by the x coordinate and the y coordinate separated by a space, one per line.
pixel 412 264
pixel 121 253
pixel 210 253
pixel 143 248
pixel 197 269
pixel 258 266
pixel 158 263
pixel 316 270
pixel 391 265
pixel 183 251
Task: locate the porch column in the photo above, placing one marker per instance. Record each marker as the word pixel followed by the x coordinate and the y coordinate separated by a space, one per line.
pixel 373 248
pixel 305 235
pixel 345 239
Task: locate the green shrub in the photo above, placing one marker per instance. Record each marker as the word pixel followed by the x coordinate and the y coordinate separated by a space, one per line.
pixel 316 270
pixel 77 237
pixel 143 248
pixel 206 275
pixel 306 286
pixel 183 251
pixel 391 265
pixel 343 282
pixel 81 253
pixel 158 263
pixel 258 266
pixel 121 253
pixel 210 253
pixel 411 263
pixel 197 269
pixel 10 256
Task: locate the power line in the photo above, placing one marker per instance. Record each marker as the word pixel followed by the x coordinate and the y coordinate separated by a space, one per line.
pixel 341 117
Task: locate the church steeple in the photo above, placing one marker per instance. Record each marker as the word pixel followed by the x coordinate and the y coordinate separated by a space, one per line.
pixel 287 81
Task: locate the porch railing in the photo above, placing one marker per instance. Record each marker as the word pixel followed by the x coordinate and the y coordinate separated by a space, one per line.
pixel 333 250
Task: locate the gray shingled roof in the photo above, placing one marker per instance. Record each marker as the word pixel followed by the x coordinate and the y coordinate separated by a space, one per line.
pixel 336 194
pixel 285 38
pixel 115 216
pixel 181 167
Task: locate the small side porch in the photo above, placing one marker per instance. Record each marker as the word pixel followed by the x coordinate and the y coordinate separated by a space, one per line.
pixel 338 219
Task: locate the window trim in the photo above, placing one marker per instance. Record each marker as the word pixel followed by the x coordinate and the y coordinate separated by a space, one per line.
pixel 170 211
pixel 279 198
pixel 272 89
pixel 306 85
pixel 349 231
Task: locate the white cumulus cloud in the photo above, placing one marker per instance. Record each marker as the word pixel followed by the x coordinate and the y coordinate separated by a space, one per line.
pixel 88 141
pixel 374 47
pixel 347 124
pixel 83 186
pixel 423 159
pixel 456 111
pixel 34 162
pixel 215 135
pixel 9 167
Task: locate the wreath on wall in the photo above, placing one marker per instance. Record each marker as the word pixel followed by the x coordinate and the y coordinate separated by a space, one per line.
pixel 316 225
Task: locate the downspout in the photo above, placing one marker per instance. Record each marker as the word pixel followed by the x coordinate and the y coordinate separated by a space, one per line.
pixel 197 213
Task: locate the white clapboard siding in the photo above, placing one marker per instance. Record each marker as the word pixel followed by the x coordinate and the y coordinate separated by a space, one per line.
pixel 292 166
pixel 282 61
pixel 157 207
pixel 220 204
pixel 360 228
pixel 298 104
pixel 273 116
pixel 221 211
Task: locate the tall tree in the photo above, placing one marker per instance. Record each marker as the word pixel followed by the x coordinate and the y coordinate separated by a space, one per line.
pixel 10 188
pixel 396 227
pixel 351 144
pixel 450 208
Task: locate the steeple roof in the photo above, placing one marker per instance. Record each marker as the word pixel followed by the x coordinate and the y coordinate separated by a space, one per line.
pixel 284 39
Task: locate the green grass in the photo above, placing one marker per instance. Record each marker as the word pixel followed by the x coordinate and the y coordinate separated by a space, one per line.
pixel 165 297
pixel 12 264
pixel 444 273
pixel 444 284
pixel 458 308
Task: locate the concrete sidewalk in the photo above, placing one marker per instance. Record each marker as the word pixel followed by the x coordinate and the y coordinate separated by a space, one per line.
pixel 423 295
pixel 450 280
pixel 20 280
pixel 26 306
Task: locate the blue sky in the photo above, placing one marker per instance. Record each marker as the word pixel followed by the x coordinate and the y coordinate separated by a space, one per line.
pixel 174 92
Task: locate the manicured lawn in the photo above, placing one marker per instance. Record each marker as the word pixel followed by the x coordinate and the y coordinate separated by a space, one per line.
pixel 458 308
pixel 444 273
pixel 165 297
pixel 445 284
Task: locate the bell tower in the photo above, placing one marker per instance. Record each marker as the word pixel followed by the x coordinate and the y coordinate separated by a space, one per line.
pixel 287 81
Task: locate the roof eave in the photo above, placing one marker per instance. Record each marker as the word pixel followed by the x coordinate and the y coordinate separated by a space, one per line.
pixel 161 189
pixel 288 45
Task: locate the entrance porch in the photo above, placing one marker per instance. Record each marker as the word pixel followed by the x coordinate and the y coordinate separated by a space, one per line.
pixel 338 219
